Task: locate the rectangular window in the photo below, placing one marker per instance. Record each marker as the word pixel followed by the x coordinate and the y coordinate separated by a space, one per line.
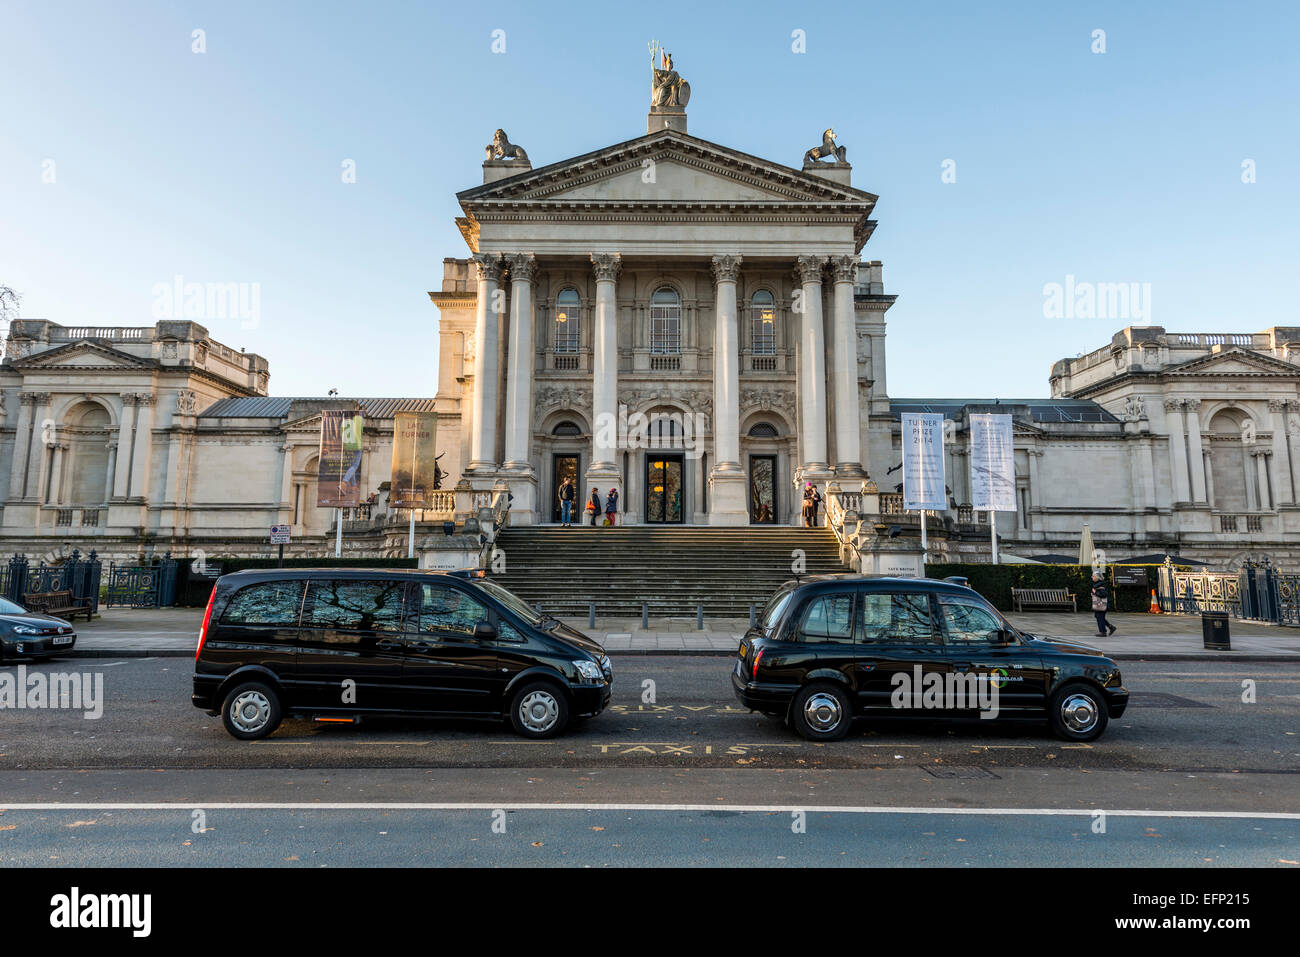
pixel 829 618
pixel 665 330
pixel 355 605
pixel 895 619
pixel 764 328
pixel 268 603
pixel 448 610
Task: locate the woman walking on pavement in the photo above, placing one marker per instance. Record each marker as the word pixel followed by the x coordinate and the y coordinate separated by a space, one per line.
pixel 1100 605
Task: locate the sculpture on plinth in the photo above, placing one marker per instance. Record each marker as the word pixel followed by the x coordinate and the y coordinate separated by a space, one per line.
pixel 829 149
pixel 502 149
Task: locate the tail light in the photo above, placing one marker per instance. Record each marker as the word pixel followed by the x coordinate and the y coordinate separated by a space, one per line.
pixel 203 630
pixel 757 658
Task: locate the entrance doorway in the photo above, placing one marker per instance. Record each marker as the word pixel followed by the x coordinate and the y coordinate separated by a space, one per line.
pixel 762 490
pixel 566 466
pixel 663 484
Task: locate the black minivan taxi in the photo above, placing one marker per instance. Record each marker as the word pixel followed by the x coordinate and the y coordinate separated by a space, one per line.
pixel 341 644
pixel 831 648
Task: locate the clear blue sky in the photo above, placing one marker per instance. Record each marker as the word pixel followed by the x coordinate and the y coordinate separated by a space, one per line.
pixel 225 166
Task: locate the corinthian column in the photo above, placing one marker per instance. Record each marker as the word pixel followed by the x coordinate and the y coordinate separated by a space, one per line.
pixel 1282 480
pixel 519 374
pixel 519 390
pixel 483 443
pixel 1194 457
pixel 812 366
pixel 727 501
pixel 603 471
pixel 1177 450
pixel 848 439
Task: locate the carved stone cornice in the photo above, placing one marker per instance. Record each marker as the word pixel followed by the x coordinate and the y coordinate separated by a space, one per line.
pixel 844 268
pixel 487 266
pixel 523 267
pixel 809 268
pixel 33 398
pixel 606 266
pixel 726 268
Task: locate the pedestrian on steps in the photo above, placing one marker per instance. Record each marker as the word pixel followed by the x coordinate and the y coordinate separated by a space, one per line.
pixel 611 507
pixel 593 506
pixel 568 497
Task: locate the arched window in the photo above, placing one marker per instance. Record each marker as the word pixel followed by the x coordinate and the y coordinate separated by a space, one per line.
pixel 763 430
pixel 87 430
pixel 567 428
pixel 567 307
pixel 763 323
pixel 665 322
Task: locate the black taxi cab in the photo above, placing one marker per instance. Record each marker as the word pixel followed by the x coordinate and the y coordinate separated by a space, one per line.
pixel 829 649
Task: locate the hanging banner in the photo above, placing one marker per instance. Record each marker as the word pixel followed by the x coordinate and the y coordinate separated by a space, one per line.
pixel 923 477
pixel 415 471
pixel 992 463
pixel 338 482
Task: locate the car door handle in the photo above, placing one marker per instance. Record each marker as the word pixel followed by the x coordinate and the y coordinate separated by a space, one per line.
pixel 388 644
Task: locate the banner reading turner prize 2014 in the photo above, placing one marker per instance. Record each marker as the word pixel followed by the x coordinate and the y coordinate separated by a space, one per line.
pixel 338 484
pixel 414 454
pixel 923 478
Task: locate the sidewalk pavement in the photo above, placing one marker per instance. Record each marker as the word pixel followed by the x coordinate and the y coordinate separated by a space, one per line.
pixel 173 632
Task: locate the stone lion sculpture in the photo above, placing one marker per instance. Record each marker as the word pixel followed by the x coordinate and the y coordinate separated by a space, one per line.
pixel 502 149
pixel 828 148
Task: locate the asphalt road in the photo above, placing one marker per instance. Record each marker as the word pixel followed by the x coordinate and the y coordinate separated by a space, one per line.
pixel 1184 778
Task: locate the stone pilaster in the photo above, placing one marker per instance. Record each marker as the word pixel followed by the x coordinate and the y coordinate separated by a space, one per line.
pixel 727 498
pixel 487 373
pixel 848 435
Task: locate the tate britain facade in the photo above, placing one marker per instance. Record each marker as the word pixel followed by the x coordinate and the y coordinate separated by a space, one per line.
pixel 693 326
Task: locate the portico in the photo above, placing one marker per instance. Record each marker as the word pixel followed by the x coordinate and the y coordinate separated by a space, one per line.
pixel 632 306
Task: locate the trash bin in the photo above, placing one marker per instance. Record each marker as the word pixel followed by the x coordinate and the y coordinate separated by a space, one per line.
pixel 1214 630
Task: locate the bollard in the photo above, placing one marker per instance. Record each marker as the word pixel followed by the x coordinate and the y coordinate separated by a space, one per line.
pixel 751 616
pixel 699 617
pixel 645 617
pixel 591 615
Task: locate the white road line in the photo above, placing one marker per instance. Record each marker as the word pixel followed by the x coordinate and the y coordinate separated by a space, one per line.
pixel 691 808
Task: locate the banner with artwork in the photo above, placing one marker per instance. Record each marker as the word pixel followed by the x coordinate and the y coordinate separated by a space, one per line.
pixel 338 483
pixel 923 475
pixel 415 470
pixel 992 464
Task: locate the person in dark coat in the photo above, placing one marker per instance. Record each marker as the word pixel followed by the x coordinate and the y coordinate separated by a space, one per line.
pixel 611 505
pixel 1100 605
pixel 593 506
pixel 568 498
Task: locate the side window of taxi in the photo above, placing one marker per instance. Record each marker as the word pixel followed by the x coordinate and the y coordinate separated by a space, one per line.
pixel 828 618
pixel 448 610
pixel 968 622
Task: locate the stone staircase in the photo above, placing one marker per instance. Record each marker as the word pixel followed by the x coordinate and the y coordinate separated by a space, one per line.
pixel 671 570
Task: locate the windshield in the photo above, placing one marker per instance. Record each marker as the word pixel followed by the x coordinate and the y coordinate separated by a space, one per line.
pixel 511 601
pixel 8 607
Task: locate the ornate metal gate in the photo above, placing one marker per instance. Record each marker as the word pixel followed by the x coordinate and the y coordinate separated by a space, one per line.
pixel 142 586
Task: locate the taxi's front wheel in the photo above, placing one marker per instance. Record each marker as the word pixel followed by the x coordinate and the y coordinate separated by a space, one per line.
pixel 1078 712
pixel 822 712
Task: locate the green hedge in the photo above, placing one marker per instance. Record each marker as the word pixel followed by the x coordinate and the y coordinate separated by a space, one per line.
pixel 995 582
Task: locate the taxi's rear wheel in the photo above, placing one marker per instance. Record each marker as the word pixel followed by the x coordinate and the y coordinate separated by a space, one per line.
pixel 822 712
pixel 1078 712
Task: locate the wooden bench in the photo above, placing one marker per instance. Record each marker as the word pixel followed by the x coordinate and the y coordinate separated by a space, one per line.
pixel 1050 597
pixel 59 603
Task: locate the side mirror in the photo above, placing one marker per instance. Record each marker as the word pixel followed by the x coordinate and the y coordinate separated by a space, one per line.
pixel 484 631
pixel 1006 637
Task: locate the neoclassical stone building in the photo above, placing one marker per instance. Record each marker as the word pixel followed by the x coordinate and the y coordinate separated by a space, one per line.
pixel 684 322
pixel 674 319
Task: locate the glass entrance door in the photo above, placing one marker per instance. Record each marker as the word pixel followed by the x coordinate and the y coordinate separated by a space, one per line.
pixel 762 489
pixel 663 482
pixel 566 466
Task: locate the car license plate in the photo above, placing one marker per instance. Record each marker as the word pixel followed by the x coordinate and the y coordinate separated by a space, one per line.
pixel 62 640
pixel 744 650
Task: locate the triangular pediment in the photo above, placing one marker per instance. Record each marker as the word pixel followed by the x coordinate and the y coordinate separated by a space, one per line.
pixel 85 354
pixel 665 167
pixel 1235 362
